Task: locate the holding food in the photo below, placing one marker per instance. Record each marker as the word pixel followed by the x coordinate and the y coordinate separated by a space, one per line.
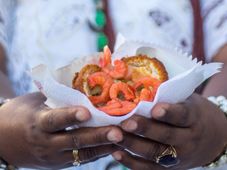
pixel 132 83
pixel 117 89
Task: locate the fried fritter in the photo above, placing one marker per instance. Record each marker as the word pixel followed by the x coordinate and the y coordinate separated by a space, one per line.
pixel 142 66
pixel 80 80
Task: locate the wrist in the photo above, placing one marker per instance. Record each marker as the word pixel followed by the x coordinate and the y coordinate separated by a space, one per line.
pixel 6 89
pixel 221 159
pixel 3 164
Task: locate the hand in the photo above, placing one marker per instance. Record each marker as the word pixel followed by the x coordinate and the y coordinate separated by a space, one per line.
pixel 195 128
pixel 34 136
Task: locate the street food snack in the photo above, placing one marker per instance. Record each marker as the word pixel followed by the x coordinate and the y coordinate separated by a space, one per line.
pixel 117 87
pixel 131 80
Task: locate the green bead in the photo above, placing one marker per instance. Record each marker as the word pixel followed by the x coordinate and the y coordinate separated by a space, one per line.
pixel 102 41
pixel 100 18
pixel 97 1
pixel 124 168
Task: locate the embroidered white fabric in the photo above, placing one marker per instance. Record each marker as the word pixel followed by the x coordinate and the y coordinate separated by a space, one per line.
pixel 50 32
pixel 215 25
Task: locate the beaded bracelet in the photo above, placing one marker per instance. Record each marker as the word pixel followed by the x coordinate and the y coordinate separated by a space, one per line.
pixel 221 102
pixel 3 164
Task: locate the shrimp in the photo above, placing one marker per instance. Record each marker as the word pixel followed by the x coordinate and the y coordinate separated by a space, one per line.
pixel 146 88
pixel 105 59
pixel 146 95
pixel 118 70
pixel 122 96
pixel 117 107
pixel 102 80
pixel 121 91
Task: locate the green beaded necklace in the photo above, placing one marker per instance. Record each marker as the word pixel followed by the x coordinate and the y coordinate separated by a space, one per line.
pixel 100 23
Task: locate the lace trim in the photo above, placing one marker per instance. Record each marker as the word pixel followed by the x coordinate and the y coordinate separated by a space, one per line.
pixel 215 26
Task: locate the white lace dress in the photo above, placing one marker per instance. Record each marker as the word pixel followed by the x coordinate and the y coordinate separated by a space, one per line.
pixel 55 32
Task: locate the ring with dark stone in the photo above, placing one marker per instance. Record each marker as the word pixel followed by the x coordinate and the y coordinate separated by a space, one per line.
pixel 168 158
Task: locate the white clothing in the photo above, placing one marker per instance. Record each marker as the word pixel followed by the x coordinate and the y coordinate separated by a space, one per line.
pixel 54 32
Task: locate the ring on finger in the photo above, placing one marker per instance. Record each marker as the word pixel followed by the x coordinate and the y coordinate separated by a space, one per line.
pixel 168 157
pixel 76 157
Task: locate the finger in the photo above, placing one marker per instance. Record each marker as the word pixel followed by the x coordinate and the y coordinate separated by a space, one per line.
pixel 58 119
pixel 89 154
pixel 155 130
pixel 174 114
pixel 133 162
pixel 66 158
pixel 150 150
pixel 87 137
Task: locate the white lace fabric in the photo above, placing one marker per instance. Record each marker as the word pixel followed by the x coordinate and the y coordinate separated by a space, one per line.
pixel 215 25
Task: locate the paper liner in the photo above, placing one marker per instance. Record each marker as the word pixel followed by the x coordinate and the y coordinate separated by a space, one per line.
pixel 185 75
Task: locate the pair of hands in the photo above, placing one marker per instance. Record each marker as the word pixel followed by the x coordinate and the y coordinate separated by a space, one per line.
pixel 33 135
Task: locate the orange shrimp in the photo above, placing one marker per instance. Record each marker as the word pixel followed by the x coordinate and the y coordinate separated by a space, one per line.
pixel 104 81
pixel 118 71
pixel 105 59
pixel 117 107
pixel 146 95
pixel 147 88
pixel 121 91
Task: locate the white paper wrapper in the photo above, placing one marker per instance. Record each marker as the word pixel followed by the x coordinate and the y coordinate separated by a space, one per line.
pixel 185 75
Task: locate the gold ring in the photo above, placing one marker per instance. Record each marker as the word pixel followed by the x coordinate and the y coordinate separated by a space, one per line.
pixel 76 157
pixel 168 157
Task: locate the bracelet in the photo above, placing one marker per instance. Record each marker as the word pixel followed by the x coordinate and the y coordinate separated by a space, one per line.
pixel 3 164
pixel 221 102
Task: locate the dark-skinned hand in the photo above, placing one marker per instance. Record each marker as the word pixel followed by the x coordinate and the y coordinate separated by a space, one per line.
pixel 34 136
pixel 196 128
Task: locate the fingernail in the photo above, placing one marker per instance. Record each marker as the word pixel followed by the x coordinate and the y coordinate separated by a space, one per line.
pixel 117 156
pixel 130 125
pixel 115 136
pixel 82 116
pixel 159 113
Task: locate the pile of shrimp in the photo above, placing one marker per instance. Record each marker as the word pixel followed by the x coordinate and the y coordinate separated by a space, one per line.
pixel 117 88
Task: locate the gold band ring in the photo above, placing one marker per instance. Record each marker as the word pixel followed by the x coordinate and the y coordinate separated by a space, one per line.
pixel 76 157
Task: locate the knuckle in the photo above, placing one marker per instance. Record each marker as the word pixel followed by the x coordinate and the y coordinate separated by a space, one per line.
pixel 185 117
pixel 89 154
pixel 69 119
pixel 151 151
pixel 76 143
pixel 31 135
pixel 127 143
pixel 99 138
pixel 46 120
pixel 42 153
pixel 142 124
pixel 101 134
pixel 142 127
pixel 167 136
pixel 50 121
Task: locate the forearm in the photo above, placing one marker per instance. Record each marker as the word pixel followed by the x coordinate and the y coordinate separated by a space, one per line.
pixel 5 86
pixel 217 85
